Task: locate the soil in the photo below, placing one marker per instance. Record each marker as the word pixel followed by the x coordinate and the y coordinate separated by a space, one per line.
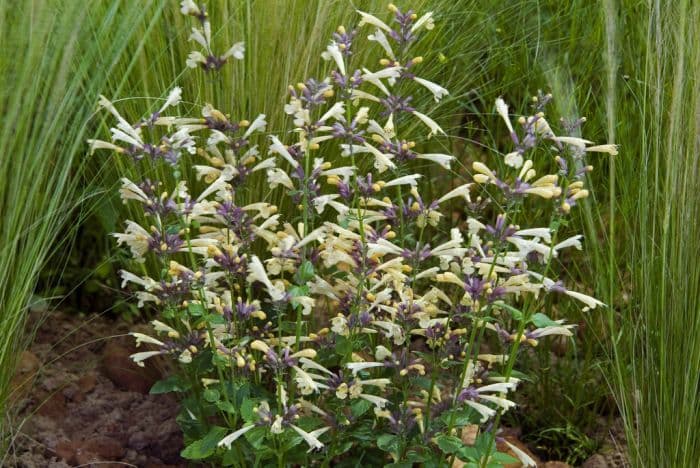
pixel 82 402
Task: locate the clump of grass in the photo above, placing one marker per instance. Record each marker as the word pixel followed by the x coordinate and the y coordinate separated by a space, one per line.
pixel 55 60
pixel 655 334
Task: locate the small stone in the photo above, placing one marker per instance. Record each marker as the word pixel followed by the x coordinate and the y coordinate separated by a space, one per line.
pixel 65 449
pixel 595 461
pixel 87 383
pixel 469 434
pixel 139 440
pixel 54 406
pixel 123 372
pixel 105 447
pixel 84 458
pixel 72 392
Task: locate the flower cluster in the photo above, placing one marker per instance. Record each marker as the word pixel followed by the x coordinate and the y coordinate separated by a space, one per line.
pixel 358 322
pixel 206 59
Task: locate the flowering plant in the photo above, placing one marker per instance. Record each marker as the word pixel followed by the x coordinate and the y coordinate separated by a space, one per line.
pixel 353 327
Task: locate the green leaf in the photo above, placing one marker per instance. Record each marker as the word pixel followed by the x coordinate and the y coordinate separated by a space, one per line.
pixel 242 391
pixel 360 407
pixel 206 446
pixel 306 272
pixel 211 395
pixel 462 417
pixel 503 458
pixel 343 346
pixel 449 444
pixel 387 442
pixel 195 309
pixel 256 436
pixel 226 406
pixel 247 409
pixel 296 291
pixel 540 320
pixel 215 319
pixel 174 383
pixel 468 453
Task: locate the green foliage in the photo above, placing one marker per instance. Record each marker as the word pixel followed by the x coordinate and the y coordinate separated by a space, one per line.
pixel 567 444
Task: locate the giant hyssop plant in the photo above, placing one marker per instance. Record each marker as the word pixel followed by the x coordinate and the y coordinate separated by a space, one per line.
pixel 353 330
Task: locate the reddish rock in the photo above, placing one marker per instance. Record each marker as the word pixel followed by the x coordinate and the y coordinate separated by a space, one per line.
pixel 87 383
pixel 72 392
pixel 54 406
pixel 469 434
pixel 65 449
pixel 105 447
pixel 123 372
pixel 83 458
pixel 596 461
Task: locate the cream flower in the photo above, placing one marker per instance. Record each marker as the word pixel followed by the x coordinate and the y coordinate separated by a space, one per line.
pixel 438 91
pixel 236 51
pixel 333 53
pixel 502 109
pixel 381 39
pixel 278 148
pixel 430 123
pixel 443 160
pixel 229 439
pixel 372 20
pixel 256 272
pixel 610 149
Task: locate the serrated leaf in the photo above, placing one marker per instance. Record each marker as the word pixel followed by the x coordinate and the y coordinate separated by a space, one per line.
pixel 387 442
pixel 256 436
pixel 172 384
pixel 541 320
pixel 247 409
pixel 211 395
pixel 215 319
pixel 449 444
pixel 195 309
pixel 206 446
pixel 226 406
pixel 360 407
pixel 343 346
pixel 306 271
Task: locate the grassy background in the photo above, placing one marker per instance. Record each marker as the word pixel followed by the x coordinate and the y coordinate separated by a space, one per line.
pixel 631 67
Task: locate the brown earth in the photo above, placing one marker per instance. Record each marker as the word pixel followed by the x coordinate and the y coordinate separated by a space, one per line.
pixel 82 401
